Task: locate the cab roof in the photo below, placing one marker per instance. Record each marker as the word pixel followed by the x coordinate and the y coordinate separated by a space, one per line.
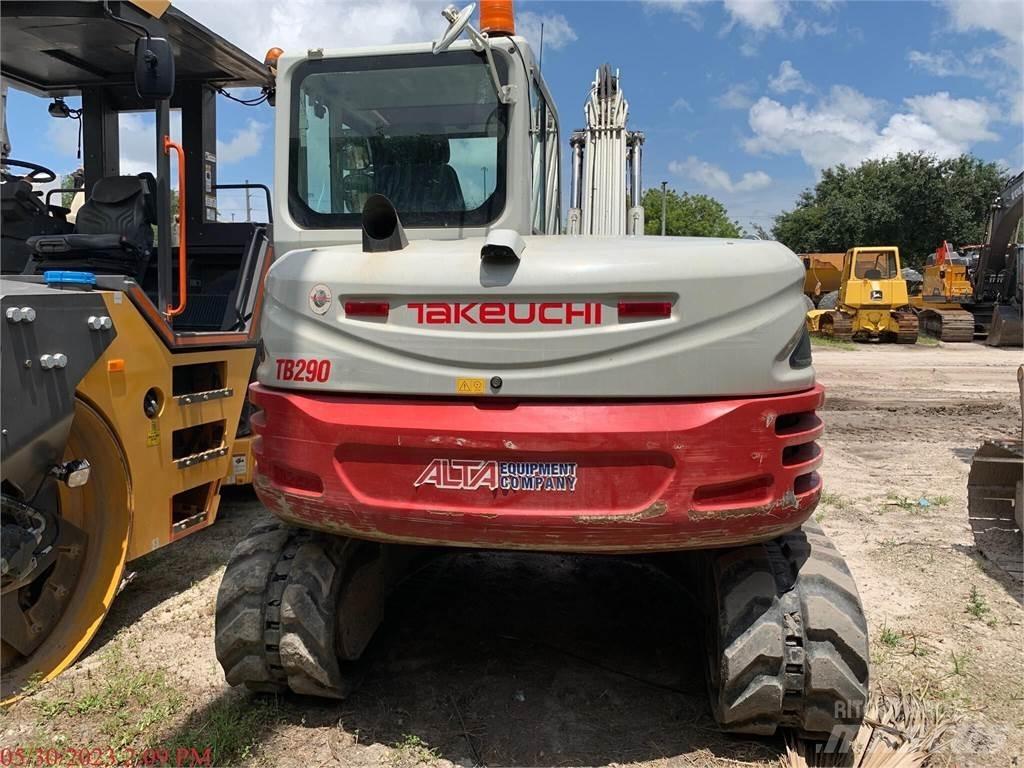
pixel 57 48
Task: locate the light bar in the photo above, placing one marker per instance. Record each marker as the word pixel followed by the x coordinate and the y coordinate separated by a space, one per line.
pixel 644 309
pixel 367 308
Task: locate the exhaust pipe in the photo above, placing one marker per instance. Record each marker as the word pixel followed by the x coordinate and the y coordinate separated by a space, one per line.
pixel 382 231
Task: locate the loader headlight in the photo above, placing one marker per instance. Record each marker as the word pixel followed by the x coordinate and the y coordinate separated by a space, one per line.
pixel 74 473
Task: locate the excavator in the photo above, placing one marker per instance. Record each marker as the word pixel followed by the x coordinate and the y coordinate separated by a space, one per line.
pixel 998 299
pixel 441 369
pixel 976 293
pixel 125 359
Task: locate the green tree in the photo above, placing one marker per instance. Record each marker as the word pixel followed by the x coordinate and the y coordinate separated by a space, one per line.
pixel 689 215
pixel 913 200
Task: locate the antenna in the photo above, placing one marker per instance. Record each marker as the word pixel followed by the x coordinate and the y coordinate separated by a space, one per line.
pixel 540 65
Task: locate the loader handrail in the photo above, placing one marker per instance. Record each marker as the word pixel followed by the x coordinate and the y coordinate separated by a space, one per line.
pixel 182 267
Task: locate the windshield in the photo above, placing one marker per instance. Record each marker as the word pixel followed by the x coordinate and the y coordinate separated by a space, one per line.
pixel 875 265
pixel 428 132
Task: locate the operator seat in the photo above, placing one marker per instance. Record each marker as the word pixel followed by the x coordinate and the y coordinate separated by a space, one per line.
pixel 22 215
pixel 413 173
pixel 113 231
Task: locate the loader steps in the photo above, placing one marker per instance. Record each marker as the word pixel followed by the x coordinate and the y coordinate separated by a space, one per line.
pixel 950 325
pixel 787 638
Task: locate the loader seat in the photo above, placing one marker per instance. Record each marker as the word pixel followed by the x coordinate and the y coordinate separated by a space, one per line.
pixel 873 274
pixel 415 176
pixel 113 231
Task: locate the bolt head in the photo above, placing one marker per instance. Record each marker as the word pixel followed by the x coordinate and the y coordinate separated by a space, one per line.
pixel 100 323
pixel 13 314
pixel 60 360
pixel 47 362
pixel 28 314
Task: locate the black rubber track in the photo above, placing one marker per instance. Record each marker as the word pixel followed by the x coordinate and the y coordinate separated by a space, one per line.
pixel 787 638
pixel 276 607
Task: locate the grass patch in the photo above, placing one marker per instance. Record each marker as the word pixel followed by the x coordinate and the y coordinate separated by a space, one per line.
pixel 976 604
pixel 918 504
pixel 129 701
pixel 828 343
pixel 231 728
pixel 890 638
pixel 412 750
pixel 925 340
pixel 960 662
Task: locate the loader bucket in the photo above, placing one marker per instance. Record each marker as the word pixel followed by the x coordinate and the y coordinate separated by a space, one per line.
pixel 995 505
pixel 1007 328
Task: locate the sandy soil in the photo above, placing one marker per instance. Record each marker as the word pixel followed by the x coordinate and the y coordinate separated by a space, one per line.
pixel 548 660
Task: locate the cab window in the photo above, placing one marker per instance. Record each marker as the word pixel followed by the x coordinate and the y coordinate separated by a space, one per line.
pixel 546 205
pixel 874 265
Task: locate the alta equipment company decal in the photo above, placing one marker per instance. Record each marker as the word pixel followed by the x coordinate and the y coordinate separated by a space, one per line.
pixel 467 475
pixel 320 298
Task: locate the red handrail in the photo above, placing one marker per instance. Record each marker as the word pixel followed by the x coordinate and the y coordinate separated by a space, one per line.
pixel 182 268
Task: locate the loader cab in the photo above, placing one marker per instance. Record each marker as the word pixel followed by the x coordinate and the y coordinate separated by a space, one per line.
pixel 156 234
pixel 871 276
pixel 461 142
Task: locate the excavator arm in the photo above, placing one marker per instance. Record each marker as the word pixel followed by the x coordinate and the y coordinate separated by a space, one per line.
pixel 1005 215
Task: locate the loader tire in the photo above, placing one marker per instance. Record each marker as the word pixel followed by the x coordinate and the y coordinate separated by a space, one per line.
pixel 279 623
pixel 829 300
pixel 787 638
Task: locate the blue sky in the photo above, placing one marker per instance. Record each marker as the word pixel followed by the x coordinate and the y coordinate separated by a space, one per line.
pixel 744 100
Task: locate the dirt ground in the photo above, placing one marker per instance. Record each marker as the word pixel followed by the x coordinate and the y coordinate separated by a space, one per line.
pixel 513 659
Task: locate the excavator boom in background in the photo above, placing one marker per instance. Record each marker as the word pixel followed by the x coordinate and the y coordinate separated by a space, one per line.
pixel 998 278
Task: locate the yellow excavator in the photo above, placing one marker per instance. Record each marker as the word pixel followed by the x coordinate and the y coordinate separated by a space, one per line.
pixel 871 303
pixel 125 356
pixel 945 290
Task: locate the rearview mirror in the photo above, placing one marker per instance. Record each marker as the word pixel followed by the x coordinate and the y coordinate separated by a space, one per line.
pixel 154 68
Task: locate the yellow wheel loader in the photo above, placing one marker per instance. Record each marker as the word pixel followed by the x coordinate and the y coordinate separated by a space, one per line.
pixel 945 289
pixel 871 303
pixel 126 357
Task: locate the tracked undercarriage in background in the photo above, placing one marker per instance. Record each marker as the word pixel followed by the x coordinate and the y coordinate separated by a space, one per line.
pixel 441 369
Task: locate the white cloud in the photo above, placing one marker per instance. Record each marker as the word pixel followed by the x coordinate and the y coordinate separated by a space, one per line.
pixel 758 14
pixel 964 121
pixel 999 66
pixel 244 144
pixel 947 63
pixel 788 79
pixel 681 105
pixel 137 141
pixel 736 96
pixel 558 33
pixel 689 10
pixel 1004 17
pixel 803 28
pixel 63 136
pixel 844 127
pixel 715 178
pixel 298 25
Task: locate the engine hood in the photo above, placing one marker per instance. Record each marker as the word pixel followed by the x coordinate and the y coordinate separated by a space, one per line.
pixel 574 317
